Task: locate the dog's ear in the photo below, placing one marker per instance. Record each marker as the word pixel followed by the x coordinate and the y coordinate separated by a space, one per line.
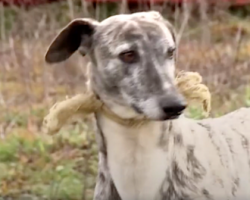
pixel 171 28
pixel 77 33
pixel 157 15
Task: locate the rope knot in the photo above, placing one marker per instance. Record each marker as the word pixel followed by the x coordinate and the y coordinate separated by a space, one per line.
pixel 188 83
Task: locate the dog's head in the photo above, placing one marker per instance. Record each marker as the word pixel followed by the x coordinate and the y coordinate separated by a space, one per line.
pixel 133 60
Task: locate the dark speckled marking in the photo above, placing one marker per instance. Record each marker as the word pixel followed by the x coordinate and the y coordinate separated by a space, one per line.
pixel 244 143
pixel 178 140
pixel 209 131
pixel 232 153
pixel 171 194
pixel 235 186
pixel 164 138
pixel 178 176
pixel 197 169
pixel 206 194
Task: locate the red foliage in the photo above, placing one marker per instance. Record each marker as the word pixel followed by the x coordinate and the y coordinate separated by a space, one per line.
pixel 231 2
pixel 26 3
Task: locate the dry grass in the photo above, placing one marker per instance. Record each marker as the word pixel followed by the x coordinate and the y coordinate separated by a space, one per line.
pixel 32 164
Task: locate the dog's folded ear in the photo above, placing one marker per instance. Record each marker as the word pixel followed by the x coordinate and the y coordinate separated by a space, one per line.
pixel 158 16
pixel 76 34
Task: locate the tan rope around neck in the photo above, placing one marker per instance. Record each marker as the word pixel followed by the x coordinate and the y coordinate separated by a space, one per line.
pixel 189 84
pixel 131 122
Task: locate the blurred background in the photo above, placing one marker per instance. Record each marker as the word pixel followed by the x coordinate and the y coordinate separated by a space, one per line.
pixel 214 40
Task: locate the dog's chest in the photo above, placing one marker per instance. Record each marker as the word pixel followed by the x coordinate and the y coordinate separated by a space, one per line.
pixel 137 164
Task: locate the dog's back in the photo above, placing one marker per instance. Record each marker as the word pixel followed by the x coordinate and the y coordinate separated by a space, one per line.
pixel 212 158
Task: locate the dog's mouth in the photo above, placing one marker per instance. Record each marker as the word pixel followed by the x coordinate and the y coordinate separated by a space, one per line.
pixel 171 116
pixel 137 109
pixel 163 116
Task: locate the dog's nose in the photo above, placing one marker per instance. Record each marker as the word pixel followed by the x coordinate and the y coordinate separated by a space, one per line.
pixel 173 110
pixel 172 106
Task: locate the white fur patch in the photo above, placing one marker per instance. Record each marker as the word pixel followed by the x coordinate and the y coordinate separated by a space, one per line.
pixel 123 47
pixel 137 165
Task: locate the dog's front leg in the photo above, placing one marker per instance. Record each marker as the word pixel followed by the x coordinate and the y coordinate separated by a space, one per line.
pixel 105 188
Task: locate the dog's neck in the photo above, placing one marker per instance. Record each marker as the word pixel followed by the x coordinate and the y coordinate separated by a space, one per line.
pixel 137 155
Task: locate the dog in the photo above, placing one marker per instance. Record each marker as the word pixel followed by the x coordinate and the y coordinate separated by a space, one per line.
pixel 171 157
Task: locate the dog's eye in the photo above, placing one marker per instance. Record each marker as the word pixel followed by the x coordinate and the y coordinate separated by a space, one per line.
pixel 128 57
pixel 170 52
